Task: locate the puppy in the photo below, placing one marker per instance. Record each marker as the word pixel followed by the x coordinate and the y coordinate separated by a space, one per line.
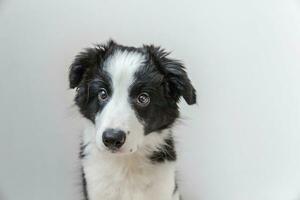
pixel 130 97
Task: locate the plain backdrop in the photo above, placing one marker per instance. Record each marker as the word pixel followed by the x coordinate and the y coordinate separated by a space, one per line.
pixel 242 140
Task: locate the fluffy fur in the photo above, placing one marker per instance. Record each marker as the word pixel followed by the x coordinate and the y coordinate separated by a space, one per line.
pixel 143 168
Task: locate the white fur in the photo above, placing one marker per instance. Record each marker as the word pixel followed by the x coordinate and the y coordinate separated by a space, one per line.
pixel 118 113
pixel 129 175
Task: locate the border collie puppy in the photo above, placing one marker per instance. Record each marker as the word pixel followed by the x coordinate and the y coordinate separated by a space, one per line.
pixel 129 96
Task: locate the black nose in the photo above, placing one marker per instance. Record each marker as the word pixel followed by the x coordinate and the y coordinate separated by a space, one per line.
pixel 113 138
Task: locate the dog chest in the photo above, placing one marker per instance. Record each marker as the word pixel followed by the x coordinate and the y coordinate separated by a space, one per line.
pixel 128 179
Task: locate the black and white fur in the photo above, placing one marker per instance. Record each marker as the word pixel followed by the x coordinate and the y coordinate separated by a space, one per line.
pixel 143 168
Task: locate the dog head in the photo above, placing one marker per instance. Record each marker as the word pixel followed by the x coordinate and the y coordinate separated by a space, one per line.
pixel 128 93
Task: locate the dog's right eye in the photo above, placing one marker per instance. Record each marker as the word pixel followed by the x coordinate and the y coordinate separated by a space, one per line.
pixel 103 96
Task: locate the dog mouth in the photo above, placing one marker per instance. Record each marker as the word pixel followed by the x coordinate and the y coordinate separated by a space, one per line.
pixel 118 151
pixel 114 151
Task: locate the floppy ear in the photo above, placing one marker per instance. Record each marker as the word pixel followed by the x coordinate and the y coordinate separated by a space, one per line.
pixel 82 63
pixel 85 61
pixel 176 77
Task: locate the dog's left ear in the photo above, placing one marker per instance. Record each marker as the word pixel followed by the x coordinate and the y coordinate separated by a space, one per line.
pixel 177 80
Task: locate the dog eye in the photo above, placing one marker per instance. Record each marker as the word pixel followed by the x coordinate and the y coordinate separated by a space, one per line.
pixel 102 94
pixel 143 99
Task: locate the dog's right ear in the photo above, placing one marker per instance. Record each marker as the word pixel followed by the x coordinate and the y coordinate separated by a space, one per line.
pixel 85 61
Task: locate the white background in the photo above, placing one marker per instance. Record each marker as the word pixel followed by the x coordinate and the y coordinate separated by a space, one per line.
pixel 242 140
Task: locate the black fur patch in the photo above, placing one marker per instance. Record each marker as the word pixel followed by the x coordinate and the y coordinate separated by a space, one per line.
pixel 174 74
pixel 84 186
pixel 87 75
pixel 175 187
pixel 166 153
pixel 82 153
pixel 162 110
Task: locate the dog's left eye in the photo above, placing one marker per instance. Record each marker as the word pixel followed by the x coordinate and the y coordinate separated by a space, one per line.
pixel 143 99
pixel 103 96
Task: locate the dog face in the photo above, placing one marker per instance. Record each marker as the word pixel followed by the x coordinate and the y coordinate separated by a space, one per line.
pixel 128 93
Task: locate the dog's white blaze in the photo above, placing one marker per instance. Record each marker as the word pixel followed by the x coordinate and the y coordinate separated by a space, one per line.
pixel 118 113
